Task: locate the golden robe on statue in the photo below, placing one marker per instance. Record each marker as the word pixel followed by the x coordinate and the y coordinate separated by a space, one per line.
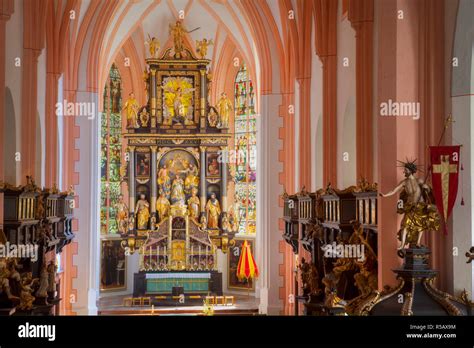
pixel 162 206
pixel 143 213
pixel 213 210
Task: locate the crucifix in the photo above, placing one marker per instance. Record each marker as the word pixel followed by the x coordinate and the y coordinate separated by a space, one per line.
pixel 445 168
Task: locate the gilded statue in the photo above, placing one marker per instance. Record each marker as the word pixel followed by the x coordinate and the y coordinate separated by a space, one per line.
pixel 145 77
pixel 419 215
pixel 233 222
pixel 178 97
pixel 309 278
pixel 224 105
pixel 121 213
pixel 194 204
pixel 178 32
pixel 142 212
pixel 192 180
pixel 212 117
pixel 202 46
pixel 52 269
pixel 162 206
pixel 26 289
pixel 43 283
pixel 5 274
pixel 131 106
pixel 203 223
pixel 153 46
pixel 164 180
pixel 213 210
pixel 225 223
pixel 144 118
pixel 177 191
pixel 331 299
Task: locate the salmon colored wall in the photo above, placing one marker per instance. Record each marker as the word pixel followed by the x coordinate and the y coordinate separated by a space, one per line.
pixel 6 10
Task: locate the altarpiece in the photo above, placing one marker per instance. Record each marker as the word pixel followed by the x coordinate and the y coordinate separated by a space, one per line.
pixel 177 214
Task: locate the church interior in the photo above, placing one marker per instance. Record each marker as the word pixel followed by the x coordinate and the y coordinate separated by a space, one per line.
pixel 234 157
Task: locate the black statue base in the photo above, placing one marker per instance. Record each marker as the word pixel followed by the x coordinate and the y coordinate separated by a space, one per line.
pixel 416 293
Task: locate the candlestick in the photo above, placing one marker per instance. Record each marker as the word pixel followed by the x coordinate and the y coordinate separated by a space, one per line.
pixel 207 257
pixel 199 257
pixel 165 257
pixel 158 257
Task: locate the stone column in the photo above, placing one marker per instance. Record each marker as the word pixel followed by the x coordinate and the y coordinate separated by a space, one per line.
pixel 203 178
pixel 34 22
pixel 224 182
pixel 326 49
pixel 153 181
pixel 361 15
pixel 51 121
pixel 131 179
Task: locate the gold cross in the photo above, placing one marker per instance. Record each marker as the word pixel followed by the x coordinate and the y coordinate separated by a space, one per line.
pixel 445 168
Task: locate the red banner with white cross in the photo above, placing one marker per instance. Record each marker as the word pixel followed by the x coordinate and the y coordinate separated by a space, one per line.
pixel 445 178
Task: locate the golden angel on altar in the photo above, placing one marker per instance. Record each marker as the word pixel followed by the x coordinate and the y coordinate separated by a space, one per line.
pixel 202 47
pixel 192 180
pixel 178 98
pixel 153 46
pixel 213 210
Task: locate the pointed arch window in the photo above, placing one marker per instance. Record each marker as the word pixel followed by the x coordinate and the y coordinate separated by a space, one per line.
pixel 111 151
pixel 245 140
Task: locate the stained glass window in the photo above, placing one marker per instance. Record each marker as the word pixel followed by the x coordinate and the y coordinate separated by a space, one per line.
pixel 111 151
pixel 245 140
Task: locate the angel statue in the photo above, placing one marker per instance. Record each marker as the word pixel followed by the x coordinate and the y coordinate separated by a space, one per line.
pixel 153 46
pixel 192 180
pixel 419 214
pixel 202 46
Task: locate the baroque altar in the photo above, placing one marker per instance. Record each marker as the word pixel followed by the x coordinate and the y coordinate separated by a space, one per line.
pixel 177 216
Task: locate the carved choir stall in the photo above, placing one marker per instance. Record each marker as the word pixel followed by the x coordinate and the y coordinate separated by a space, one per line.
pixel 37 226
pixel 339 229
pixel 177 216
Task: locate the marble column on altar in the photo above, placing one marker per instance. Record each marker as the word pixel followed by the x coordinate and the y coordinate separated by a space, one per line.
pixel 203 178
pixel 224 182
pixel 131 179
pixel 153 181
pixel 203 100
pixel 153 99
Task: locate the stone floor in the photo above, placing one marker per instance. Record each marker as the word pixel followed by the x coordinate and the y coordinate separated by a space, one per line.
pixel 113 305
